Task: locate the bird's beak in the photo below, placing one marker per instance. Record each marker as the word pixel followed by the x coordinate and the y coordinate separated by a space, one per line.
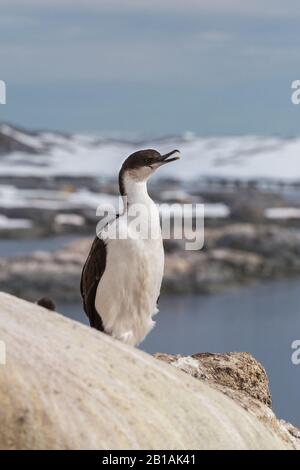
pixel 169 157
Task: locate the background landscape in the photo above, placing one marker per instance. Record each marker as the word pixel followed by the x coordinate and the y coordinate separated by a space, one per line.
pixel 87 86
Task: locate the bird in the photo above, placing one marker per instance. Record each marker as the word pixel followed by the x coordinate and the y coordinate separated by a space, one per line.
pixel 121 278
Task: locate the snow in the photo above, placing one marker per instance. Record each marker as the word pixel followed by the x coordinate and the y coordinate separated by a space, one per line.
pixel 7 224
pixel 210 210
pixel 85 198
pixel 23 138
pixel 217 210
pixel 69 219
pixel 12 197
pixel 240 157
pixel 282 213
pixel 175 195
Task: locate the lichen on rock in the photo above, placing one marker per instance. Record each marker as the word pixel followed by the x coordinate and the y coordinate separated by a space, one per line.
pixel 235 370
pixel 239 376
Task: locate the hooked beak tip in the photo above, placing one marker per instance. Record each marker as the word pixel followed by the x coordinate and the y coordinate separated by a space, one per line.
pixel 171 157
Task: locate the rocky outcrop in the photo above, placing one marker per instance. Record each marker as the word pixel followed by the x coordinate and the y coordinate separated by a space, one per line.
pixel 68 386
pixel 56 275
pixel 9 141
pixel 232 255
pixel 239 376
pixel 229 372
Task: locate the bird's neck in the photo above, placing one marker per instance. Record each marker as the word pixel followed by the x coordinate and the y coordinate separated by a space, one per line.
pixel 136 192
pixel 135 195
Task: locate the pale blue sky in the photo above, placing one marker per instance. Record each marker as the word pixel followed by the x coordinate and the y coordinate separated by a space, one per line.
pixel 212 66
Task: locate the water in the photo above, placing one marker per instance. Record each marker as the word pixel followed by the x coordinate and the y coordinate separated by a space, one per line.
pixel 23 247
pixel 263 320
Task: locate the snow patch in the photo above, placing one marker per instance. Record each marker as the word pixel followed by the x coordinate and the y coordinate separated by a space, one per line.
pixel 7 224
pixel 283 213
pixel 242 157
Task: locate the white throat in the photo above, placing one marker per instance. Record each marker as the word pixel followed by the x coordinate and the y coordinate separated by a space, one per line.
pixel 136 191
pixel 141 209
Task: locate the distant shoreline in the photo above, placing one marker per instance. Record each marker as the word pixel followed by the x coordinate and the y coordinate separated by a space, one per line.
pixel 233 255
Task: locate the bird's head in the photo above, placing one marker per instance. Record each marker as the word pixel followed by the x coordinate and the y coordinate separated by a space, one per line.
pixel 142 164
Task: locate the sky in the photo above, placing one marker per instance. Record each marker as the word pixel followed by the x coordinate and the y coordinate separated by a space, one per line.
pixel 212 67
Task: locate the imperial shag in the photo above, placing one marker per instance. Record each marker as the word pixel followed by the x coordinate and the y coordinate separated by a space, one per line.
pixel 121 279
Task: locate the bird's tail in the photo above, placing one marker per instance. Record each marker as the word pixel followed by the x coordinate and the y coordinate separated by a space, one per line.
pixel 47 303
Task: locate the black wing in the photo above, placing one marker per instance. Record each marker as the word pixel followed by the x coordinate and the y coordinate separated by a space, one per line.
pixel 91 274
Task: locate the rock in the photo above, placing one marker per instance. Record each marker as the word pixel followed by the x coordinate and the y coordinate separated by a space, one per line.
pixel 56 274
pixel 249 204
pixel 239 376
pixel 233 254
pixel 268 241
pixel 67 386
pixel 243 262
pixel 237 371
pixel 9 141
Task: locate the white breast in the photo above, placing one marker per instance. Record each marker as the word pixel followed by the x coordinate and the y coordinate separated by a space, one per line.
pixel 130 286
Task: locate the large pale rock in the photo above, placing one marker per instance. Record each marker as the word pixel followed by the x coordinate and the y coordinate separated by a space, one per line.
pixel 67 386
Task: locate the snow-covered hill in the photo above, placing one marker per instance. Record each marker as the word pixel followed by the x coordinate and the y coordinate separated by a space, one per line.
pixel 241 157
